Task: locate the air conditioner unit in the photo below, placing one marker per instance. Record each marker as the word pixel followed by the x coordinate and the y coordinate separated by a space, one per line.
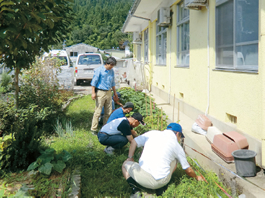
pixel 163 17
pixel 195 4
pixel 137 38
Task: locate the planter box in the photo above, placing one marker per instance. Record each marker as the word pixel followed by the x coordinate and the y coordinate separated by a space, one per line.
pixel 224 144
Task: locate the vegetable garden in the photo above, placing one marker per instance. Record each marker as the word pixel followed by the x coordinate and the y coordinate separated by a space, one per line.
pixel 43 145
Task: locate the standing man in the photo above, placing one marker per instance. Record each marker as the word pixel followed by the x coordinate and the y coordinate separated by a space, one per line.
pixel 158 161
pixel 102 82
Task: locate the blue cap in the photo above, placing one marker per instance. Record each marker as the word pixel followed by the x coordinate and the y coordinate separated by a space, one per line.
pixel 175 127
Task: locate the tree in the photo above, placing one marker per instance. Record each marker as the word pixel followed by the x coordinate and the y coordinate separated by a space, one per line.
pixel 27 26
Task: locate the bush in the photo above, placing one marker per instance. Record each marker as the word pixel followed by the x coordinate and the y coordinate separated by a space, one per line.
pixel 39 86
pixel 5 84
pixel 26 140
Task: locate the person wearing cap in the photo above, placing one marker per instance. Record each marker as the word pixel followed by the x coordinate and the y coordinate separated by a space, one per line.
pixel 121 112
pixel 102 83
pixel 158 161
pixel 117 133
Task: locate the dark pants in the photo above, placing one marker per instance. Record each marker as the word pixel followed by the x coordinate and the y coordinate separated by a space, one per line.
pixel 115 141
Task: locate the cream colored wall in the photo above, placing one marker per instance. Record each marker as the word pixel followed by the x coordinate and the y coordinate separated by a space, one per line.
pixel 262 73
pixel 239 94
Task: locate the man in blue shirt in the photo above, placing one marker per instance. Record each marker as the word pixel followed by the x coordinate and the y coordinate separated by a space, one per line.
pixel 102 83
pixel 120 112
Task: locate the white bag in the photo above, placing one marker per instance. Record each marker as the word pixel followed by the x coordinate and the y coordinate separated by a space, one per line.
pixel 197 129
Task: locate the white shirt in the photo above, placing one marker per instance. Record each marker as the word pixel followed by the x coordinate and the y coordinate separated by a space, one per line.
pixel 160 149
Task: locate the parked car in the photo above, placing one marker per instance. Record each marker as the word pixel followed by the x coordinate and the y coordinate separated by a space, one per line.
pixel 85 65
pixel 66 76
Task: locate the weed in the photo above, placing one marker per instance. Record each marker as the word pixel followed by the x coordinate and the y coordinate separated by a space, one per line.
pixel 69 128
pixel 58 128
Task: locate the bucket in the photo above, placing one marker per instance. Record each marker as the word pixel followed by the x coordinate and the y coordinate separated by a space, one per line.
pixel 245 162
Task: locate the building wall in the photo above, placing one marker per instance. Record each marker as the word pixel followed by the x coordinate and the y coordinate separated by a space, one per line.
pixel 201 86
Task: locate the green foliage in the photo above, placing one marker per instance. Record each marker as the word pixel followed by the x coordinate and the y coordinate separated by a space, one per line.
pixel 153 117
pixel 49 160
pixel 26 143
pixel 99 22
pixel 6 82
pixel 27 26
pixel 7 117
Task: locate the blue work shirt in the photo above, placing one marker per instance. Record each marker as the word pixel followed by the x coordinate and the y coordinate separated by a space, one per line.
pixel 103 79
pixel 113 107
pixel 118 113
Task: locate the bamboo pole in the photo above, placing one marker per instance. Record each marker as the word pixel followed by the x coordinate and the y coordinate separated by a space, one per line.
pixel 145 105
pixel 173 108
pixel 158 118
pixel 161 119
pixel 151 114
pixel 178 112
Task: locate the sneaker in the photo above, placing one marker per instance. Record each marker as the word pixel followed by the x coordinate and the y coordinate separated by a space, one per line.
pixel 94 132
pixel 109 150
pixel 136 195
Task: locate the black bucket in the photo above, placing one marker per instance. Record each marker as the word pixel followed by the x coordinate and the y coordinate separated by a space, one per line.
pixel 245 162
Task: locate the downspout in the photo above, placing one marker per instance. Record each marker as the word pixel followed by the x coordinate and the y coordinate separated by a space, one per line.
pixel 169 71
pixel 208 54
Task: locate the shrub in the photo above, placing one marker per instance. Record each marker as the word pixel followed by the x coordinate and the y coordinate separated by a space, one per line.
pixel 26 139
pixel 5 84
pixel 39 86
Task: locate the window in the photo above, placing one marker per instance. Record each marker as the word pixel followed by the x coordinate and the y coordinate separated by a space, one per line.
pixel 237 34
pixel 146 59
pixel 139 52
pixel 161 45
pixel 73 54
pixel 183 34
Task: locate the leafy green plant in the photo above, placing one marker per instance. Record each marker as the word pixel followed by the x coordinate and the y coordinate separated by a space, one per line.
pixel 6 82
pixel 27 130
pixel 49 161
pixel 154 117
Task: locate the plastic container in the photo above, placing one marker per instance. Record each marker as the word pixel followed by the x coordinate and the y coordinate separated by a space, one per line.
pixel 245 162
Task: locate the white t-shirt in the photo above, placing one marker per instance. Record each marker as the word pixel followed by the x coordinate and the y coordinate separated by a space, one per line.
pixel 160 149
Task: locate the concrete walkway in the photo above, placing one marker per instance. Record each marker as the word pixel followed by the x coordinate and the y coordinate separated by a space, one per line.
pixel 252 187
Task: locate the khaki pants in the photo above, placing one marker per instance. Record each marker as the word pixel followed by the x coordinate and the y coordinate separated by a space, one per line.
pixel 103 99
pixel 144 178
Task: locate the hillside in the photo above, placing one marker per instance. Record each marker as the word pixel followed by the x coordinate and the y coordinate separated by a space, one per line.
pixel 99 22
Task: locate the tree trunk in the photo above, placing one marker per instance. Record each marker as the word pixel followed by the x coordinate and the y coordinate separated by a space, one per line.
pixel 16 86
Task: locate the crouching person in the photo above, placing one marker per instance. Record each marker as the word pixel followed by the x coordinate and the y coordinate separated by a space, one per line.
pixel 117 133
pixel 158 161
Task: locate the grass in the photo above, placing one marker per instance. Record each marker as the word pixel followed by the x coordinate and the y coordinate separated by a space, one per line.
pixel 101 174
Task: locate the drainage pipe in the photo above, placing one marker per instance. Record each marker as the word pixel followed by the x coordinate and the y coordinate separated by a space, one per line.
pixel 169 70
pixel 208 54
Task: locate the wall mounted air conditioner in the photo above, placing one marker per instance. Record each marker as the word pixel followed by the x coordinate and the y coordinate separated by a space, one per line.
pixel 163 17
pixel 137 38
pixel 195 4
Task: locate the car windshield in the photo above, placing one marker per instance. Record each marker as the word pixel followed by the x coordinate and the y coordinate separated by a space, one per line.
pixel 89 59
pixel 63 60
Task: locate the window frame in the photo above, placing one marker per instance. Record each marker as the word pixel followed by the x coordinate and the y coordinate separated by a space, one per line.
pixel 235 67
pixel 146 42
pixel 163 34
pixel 180 24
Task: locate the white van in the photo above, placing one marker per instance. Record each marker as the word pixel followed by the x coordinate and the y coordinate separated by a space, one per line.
pixel 66 76
pixel 85 65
